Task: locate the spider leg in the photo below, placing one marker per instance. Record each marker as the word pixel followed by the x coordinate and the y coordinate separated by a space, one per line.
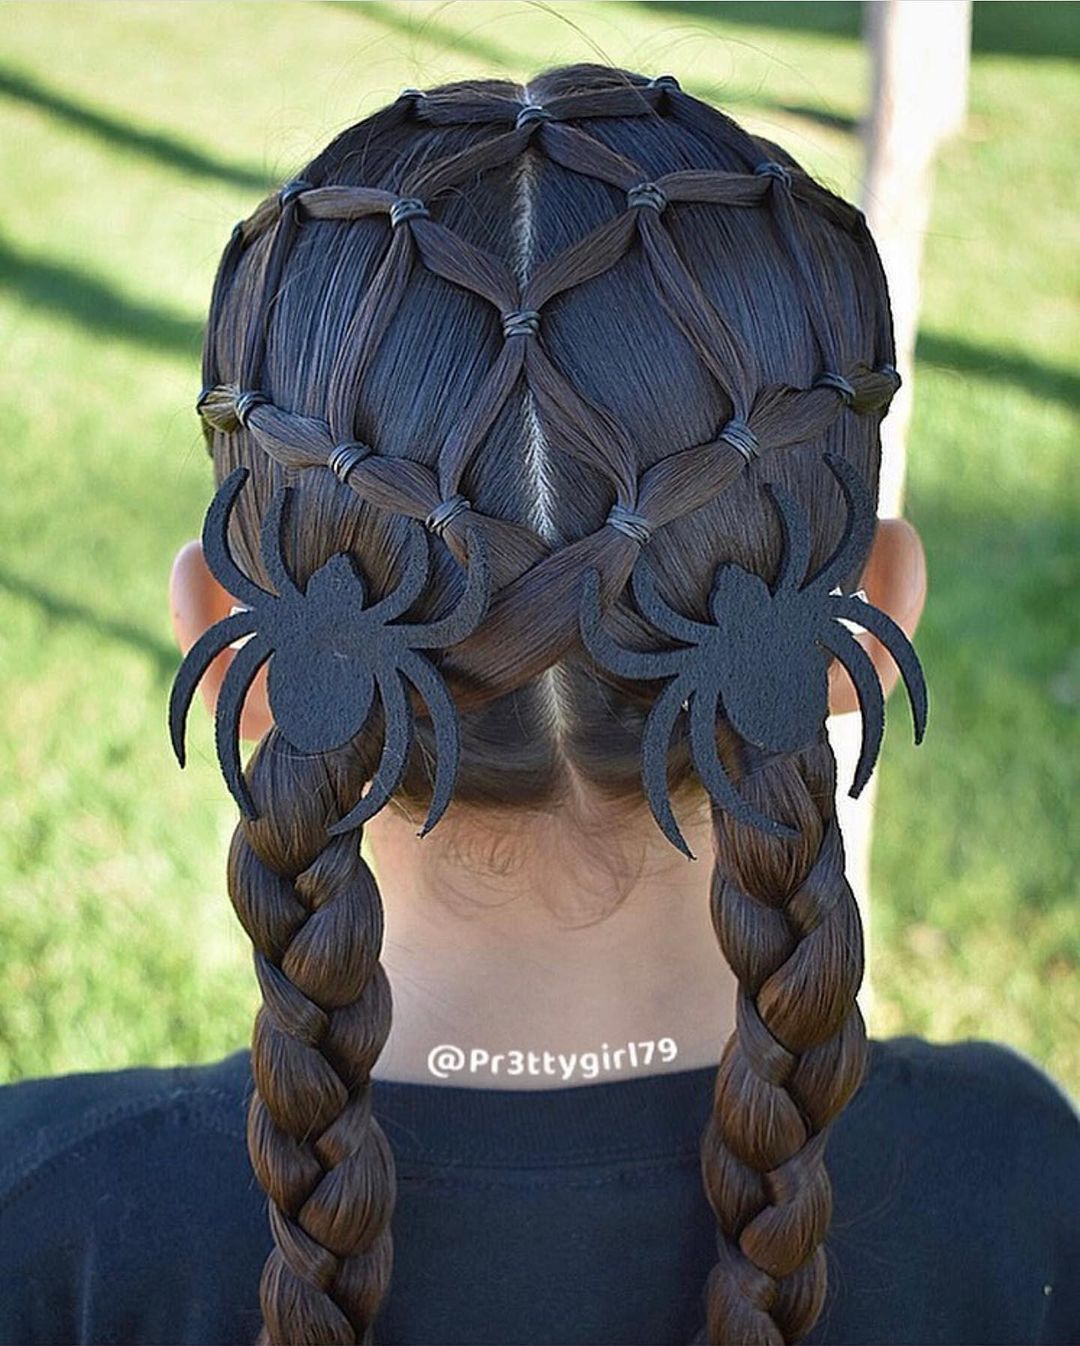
pixel 796 559
pixel 603 648
pixel 466 613
pixel 197 660
pixel 655 741
pixel 858 530
pixel 271 543
pixel 215 543
pixel 715 778
pixel 230 705
pixel 444 718
pixel 413 578
pixel 672 623
pixel 871 701
pixel 896 642
pixel 398 735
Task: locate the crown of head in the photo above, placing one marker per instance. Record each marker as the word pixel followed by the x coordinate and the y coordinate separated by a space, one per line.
pixel 375 649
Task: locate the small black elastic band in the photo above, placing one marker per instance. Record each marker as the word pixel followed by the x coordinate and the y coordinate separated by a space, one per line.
pixel 200 401
pixel 837 382
pixel 407 208
pixel 344 457
pixel 664 82
pixel 630 522
pixel 521 322
pixel 292 190
pixel 246 403
pixel 771 169
pixel 739 435
pixel 445 512
pixel 531 112
pixel 646 194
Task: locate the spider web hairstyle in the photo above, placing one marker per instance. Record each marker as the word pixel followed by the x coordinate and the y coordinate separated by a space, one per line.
pixel 586 321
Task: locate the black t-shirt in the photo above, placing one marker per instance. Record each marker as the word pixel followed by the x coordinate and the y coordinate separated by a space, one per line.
pixel 129 1212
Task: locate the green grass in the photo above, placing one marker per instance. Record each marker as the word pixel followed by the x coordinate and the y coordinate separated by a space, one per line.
pixel 135 134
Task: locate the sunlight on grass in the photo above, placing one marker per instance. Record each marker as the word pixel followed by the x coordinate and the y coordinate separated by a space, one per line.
pixel 126 172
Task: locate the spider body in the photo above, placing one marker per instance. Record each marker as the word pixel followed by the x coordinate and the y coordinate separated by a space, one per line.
pixel 747 616
pixel 762 661
pixel 331 652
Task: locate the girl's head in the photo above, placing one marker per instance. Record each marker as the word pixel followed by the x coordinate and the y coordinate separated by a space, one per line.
pixel 573 325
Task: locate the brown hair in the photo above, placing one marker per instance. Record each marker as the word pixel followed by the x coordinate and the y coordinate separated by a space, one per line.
pixel 543 315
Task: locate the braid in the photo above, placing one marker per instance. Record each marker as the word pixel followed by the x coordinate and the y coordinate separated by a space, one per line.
pixel 311 907
pixel 789 927
pixel 310 904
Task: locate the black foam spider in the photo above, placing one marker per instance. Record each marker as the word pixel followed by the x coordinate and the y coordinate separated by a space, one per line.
pixel 764 659
pixel 330 652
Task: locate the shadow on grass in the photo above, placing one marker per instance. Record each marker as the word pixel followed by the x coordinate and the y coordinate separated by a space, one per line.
pixel 1004 28
pixel 54 287
pixel 157 145
pixel 997 643
pixel 506 62
pixel 427 29
pixel 831 121
pixel 835 18
pixel 162 656
pixel 982 362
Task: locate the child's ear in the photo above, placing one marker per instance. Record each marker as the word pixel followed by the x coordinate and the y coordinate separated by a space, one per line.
pixel 196 602
pixel 895 581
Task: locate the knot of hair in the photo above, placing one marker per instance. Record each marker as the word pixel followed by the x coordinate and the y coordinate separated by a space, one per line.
pixel 648 195
pixel 771 169
pixel 445 512
pixel 521 322
pixel 862 389
pixel 738 434
pixel 227 407
pixel 530 115
pixel 839 384
pixel 407 208
pixel 292 191
pixel 344 457
pixel 247 401
pixel 628 521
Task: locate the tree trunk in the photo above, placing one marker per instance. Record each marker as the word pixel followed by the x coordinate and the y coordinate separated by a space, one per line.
pixel 920 56
pixel 919 51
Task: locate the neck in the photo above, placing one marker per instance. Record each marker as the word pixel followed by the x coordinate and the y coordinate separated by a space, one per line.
pixel 543 951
